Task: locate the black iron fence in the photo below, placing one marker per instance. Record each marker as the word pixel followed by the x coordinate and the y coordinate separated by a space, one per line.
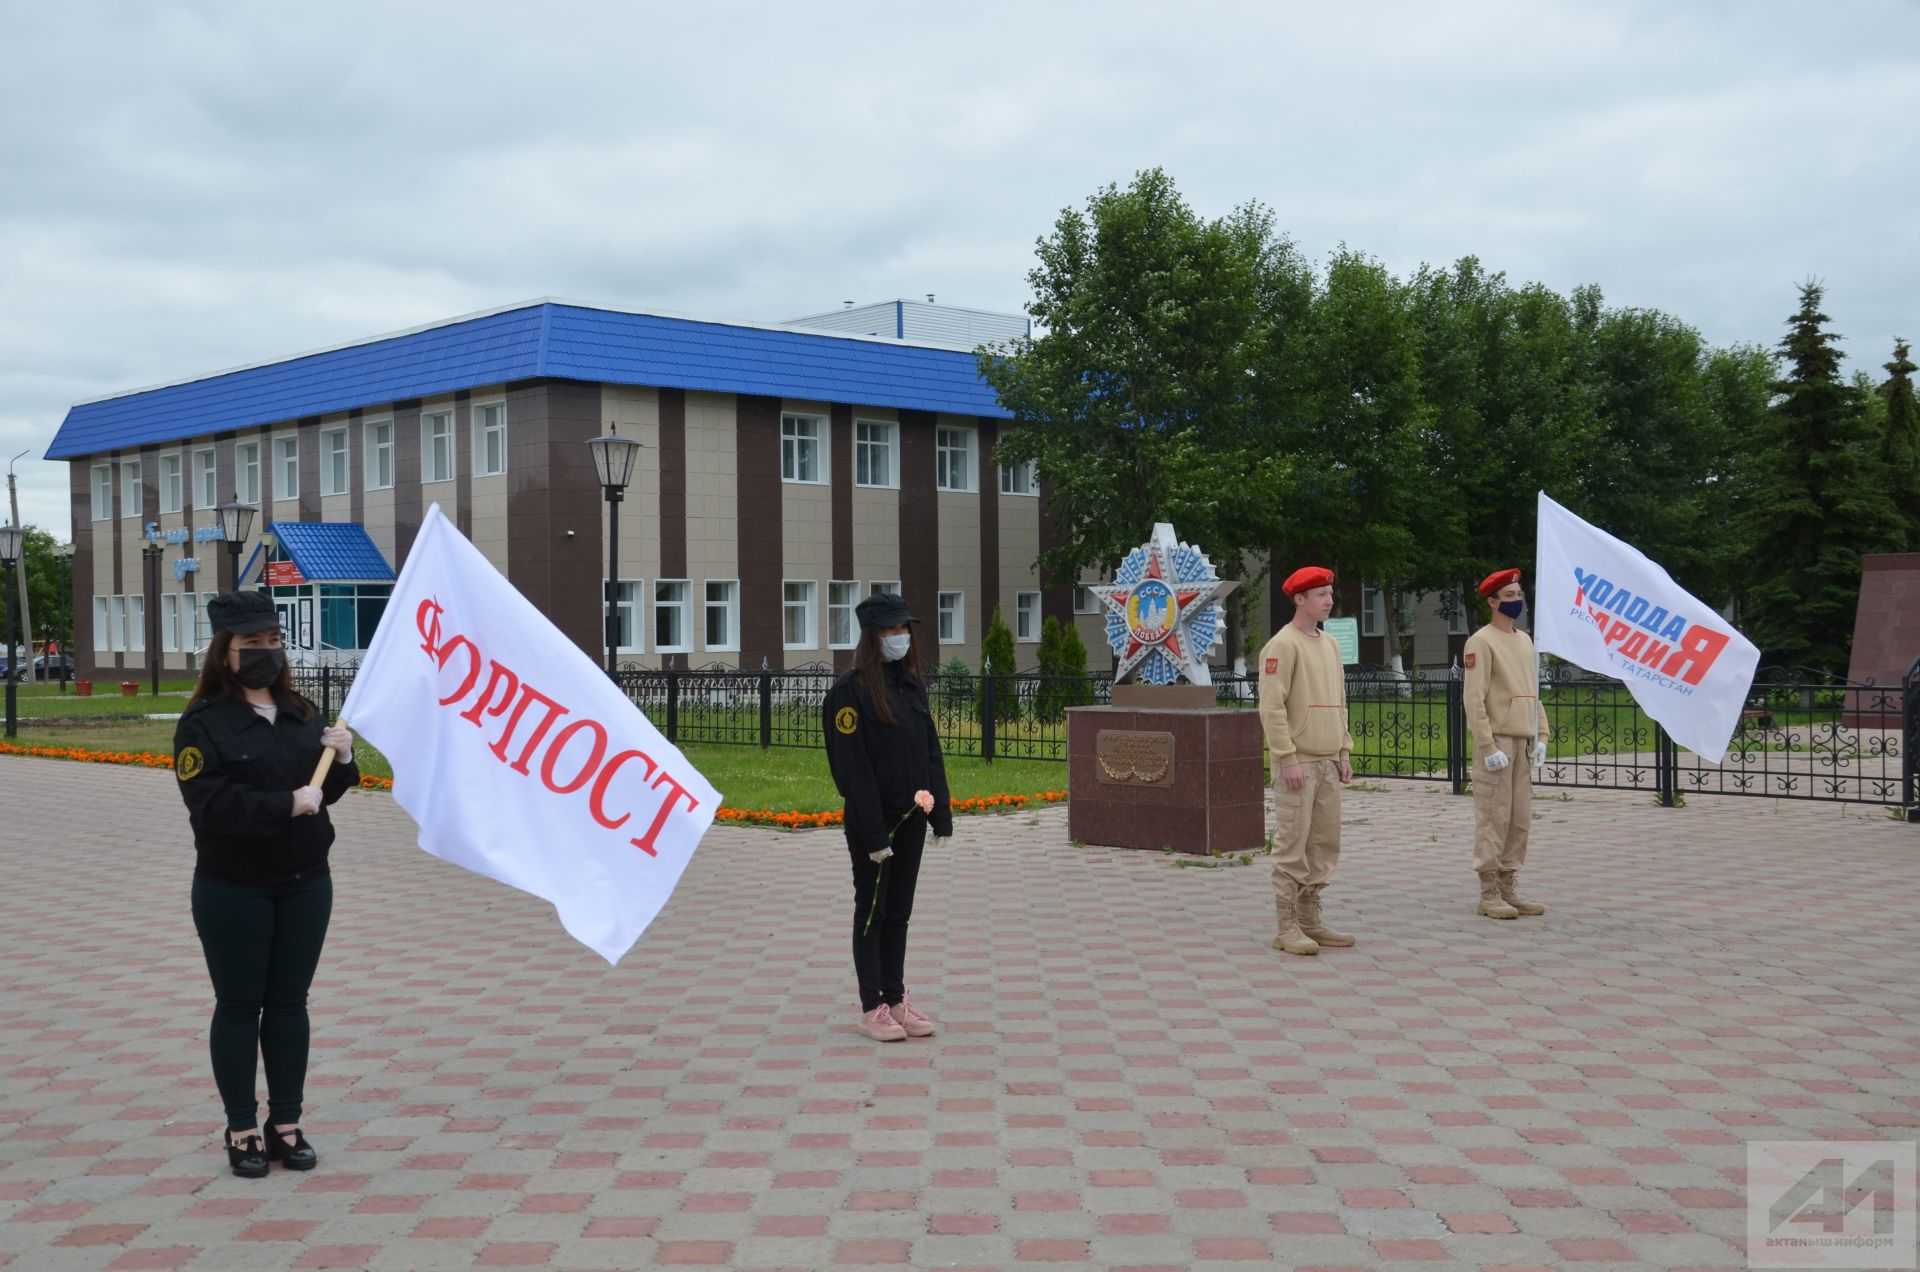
pixel 1801 736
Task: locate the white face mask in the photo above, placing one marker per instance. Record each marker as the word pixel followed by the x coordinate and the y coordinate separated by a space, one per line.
pixel 893 648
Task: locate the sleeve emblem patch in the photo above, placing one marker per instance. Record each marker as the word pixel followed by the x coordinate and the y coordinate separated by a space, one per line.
pixel 846 720
pixel 187 764
pixel 1471 658
pixel 1273 666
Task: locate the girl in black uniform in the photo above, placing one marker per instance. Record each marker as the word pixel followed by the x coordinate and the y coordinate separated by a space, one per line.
pixel 885 757
pixel 243 756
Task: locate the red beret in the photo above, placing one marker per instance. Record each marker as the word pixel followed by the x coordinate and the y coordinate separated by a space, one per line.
pixel 1306 578
pixel 1497 580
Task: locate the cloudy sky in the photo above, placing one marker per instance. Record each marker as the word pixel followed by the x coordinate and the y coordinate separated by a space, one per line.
pixel 191 186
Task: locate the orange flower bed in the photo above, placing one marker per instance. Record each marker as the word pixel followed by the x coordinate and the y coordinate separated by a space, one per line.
pixel 792 819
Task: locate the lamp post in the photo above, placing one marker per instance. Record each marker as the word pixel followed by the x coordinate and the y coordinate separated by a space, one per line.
pixel 613 461
pixel 153 552
pixel 10 537
pixel 236 522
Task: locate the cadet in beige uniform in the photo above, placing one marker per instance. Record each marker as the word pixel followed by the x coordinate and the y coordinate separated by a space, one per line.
pixel 1303 708
pixel 1510 735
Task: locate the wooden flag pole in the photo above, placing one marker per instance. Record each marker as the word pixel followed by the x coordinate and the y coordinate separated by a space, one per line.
pixel 326 758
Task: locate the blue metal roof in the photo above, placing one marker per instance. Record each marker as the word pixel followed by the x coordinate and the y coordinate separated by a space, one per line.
pixel 333 552
pixel 546 338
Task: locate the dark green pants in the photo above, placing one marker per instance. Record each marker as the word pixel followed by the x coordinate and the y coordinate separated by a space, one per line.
pixel 262 945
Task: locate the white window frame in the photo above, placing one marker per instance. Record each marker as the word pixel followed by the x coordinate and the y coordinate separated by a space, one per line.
pixel 436 430
pixel 877 586
pixel 951 620
pixel 330 453
pixel 286 468
pixel 842 596
pixel 945 478
pixel 1084 601
pixel 1373 610
pixel 169 622
pixel 246 472
pixel 729 605
pixel 102 624
pixel 792 436
pixel 377 451
pixel 103 492
pixel 206 480
pixel 489 419
pixel 202 620
pixel 117 626
pixel 631 605
pixel 132 498
pixel 137 623
pixel 809 605
pixel 172 481
pixel 1457 615
pixel 683 605
pixel 864 448
pixel 1025 473
pixel 1026 617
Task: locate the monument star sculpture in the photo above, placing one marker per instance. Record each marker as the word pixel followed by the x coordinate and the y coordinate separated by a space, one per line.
pixel 1163 616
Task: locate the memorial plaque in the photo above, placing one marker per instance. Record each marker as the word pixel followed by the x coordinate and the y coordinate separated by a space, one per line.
pixel 1135 758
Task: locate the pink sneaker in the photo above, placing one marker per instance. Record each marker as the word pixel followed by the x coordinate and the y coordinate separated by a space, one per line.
pixel 913 1020
pixel 880 1025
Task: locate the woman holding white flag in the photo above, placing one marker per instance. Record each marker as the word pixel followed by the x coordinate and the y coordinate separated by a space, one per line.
pixel 1510 733
pixel 885 756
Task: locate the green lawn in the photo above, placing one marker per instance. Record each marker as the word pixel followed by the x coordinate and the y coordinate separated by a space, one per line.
pixel 33 702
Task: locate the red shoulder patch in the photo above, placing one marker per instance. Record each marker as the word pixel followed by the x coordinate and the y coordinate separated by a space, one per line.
pixel 1273 666
pixel 1471 656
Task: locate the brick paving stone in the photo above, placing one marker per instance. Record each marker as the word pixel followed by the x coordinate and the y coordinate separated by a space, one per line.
pixel 1126 1076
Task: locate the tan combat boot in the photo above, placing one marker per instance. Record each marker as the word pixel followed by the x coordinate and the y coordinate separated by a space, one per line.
pixel 1310 923
pixel 1491 903
pixel 1291 939
pixel 1519 903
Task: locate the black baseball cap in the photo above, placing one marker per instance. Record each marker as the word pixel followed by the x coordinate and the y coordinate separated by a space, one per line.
pixel 243 613
pixel 883 609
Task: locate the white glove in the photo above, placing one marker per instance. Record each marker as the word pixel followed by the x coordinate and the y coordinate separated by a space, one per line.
pixel 1539 754
pixel 1497 761
pixel 880 856
pixel 306 801
pixel 340 740
pixel 941 841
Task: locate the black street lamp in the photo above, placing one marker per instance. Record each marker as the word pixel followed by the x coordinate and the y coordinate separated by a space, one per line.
pixel 153 552
pixel 236 522
pixel 10 537
pixel 613 461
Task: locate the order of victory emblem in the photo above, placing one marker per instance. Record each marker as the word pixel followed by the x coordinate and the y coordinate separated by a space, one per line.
pixel 1162 613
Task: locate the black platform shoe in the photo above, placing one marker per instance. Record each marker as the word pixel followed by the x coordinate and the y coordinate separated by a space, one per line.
pixel 247 1158
pixel 298 1155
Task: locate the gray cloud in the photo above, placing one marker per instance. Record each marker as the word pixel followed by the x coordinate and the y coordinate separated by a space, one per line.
pixel 196 185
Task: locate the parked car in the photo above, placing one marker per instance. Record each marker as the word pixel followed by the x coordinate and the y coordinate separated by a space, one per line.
pixel 43 667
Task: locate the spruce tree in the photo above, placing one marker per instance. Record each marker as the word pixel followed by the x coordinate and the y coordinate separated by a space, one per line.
pixel 1815 506
pixel 1048 703
pixel 997 666
pixel 1900 445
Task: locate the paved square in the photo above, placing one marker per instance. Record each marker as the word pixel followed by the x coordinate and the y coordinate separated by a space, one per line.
pixel 1126 1076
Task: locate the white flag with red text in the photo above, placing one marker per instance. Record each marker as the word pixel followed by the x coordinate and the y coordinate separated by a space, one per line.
pixel 515 753
pixel 1601 604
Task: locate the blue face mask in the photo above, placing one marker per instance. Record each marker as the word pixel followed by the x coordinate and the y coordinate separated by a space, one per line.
pixel 1513 609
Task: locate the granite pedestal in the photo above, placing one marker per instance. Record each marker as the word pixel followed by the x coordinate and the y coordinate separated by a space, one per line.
pixel 1142 777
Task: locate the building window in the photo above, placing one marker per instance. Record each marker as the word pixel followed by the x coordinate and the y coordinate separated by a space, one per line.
pixel 333 462
pixel 841 598
pixel 1455 604
pixel 130 500
pixel 137 623
pixel 489 439
pixel 626 617
pixel 203 621
pixel 246 472
pixel 206 481
pixel 349 614
pixel 803 448
pixel 953 618
pixel 101 625
pixel 170 622
pixel 672 616
pixel 1022 478
pixel 723 614
pixel 1026 616
pixel 117 630
pixel 286 468
pixel 379 441
pixel 953 459
pixel 1373 610
pixel 890 586
pixel 1084 600
pixel 799 629
pixel 171 485
pixel 102 492
pixel 873 453
pixel 436 446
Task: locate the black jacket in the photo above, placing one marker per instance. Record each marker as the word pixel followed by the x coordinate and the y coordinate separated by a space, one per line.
pixel 877 766
pixel 237 774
